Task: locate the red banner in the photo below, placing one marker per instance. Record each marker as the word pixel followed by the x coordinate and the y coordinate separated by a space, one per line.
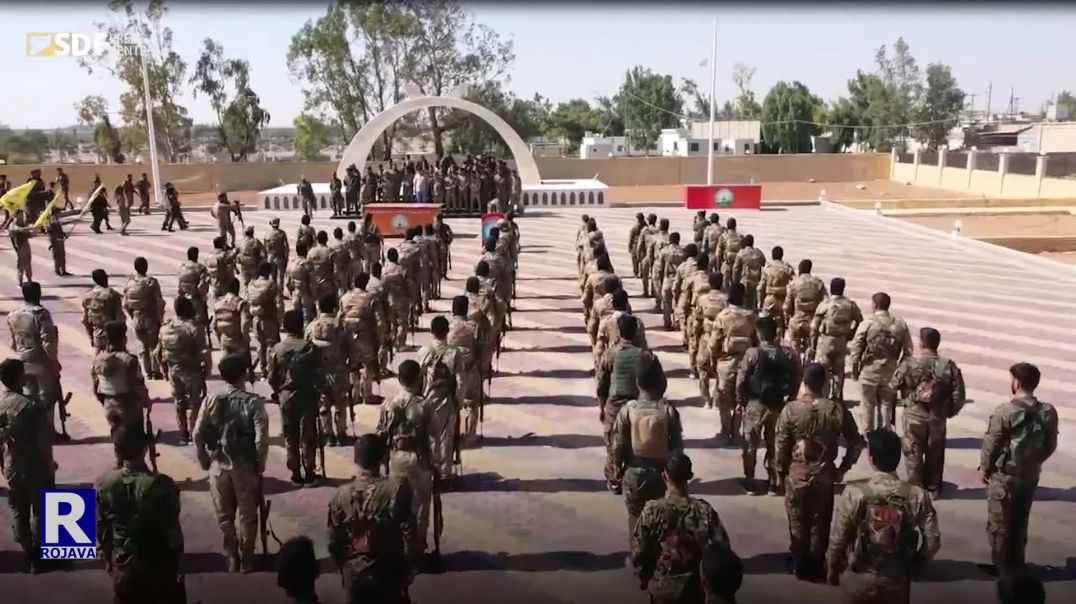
pixel 723 197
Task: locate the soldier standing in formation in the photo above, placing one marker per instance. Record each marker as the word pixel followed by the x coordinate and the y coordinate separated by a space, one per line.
pixel 20 234
pixel 193 278
pixel 184 356
pixel 773 288
pixel 35 340
pixel 880 343
pixel 747 270
pixel 58 244
pixel 264 298
pixel 277 250
pixel 298 280
pixel 232 441
pixel 836 320
pixel 359 312
pixel 222 211
pixel 733 334
pixel 305 233
pixel 231 322
pixel 442 366
pixel 463 334
pixel 118 382
pixel 294 374
pixel 144 304
pixel 251 256
pixel 100 305
pixel 327 332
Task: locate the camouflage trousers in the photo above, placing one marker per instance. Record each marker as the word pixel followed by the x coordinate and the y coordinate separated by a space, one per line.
pixel 280 267
pixel 809 504
pixel 644 274
pixel 879 405
pixel 364 369
pixel 750 296
pixel 641 483
pixel 24 499
pixel 1008 510
pixel 137 583
pixel 726 386
pixel 831 353
pixel 298 414
pixel 706 372
pixel 266 333
pixel 443 423
pixel 923 445
pixel 667 303
pixel 609 413
pixel 188 387
pixel 43 382
pixel 758 428
pixel 59 256
pixel 408 466
pixel 371 254
pixel 148 334
pixel 120 413
pixel 773 305
pixel 97 338
pixel 799 332
pixel 305 304
pixel 334 410
pixel 401 323
pixel 235 498
pixel 231 344
pixel 872 588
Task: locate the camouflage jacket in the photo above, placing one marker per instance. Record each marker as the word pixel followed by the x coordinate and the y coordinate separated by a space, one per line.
pixel 807 435
pixel 183 346
pixel 623 452
pixel 870 362
pixel 143 301
pixel 371 523
pixel 405 421
pixel 749 365
pixel 914 371
pixel 667 545
pixel 138 517
pixel 34 336
pixel 1004 457
pixel 100 306
pixel 804 294
pixel 232 431
pixel 117 374
pixel 25 437
pixel 276 244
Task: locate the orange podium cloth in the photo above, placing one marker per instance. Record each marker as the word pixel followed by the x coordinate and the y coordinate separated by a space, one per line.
pixel 393 219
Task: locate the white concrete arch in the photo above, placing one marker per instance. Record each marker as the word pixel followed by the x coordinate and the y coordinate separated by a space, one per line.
pixel 363 142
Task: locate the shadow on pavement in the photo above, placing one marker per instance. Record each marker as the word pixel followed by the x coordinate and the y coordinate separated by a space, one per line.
pixel 560 441
pixel 565 400
pixel 533 563
pixel 491 482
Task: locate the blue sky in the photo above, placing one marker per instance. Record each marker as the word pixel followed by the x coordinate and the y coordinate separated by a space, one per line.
pixel 566 51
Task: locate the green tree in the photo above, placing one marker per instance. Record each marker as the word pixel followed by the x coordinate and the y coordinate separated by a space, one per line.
pixel 226 82
pixel 571 120
pixel 942 104
pixel 746 107
pixel 28 147
pixel 900 74
pixel 788 113
pixel 167 76
pixel 63 145
pixel 698 106
pixel 93 111
pixel 1068 100
pixel 844 119
pixel 311 136
pixel 652 104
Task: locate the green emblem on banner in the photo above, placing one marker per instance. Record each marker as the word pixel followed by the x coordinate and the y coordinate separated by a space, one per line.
pixel 723 198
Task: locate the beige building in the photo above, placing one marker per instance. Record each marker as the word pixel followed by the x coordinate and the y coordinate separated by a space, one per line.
pixel 1048 137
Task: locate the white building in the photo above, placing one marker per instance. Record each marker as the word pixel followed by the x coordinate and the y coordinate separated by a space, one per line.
pixel 730 138
pixel 594 146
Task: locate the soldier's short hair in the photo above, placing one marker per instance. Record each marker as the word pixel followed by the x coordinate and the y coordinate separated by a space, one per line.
pixel 715 219
pixel 730 224
pixel 473 285
pixel 663 225
pixel 836 286
pixel 459 306
pixel 613 285
pixel 370 451
pixel 129 441
pixel 930 338
pixel 250 231
pixel 627 326
pixel 222 196
pixel 490 244
pixel 715 280
pixel 220 242
pixel 351 226
pixel 141 265
pixel 881 300
pixel 11 373
pixel 748 240
pixel 115 332
pixel 884 448
pixel 674 238
pixel 183 307
pixel 651 219
pixel 721 570
pixel 620 299
pixel 702 261
pixel 362 280
pixel 586 218
pixel 408 372
pixel 592 225
pixel 233 367
pixel 439 327
pixel 31 292
pixel 375 270
pixel 1027 375
pixel 100 277
pixel 265 269
pixel 233 287
pixel 736 294
pixel 1020 588
pixel 322 237
pixel 482 268
pixel 192 253
pixel 814 377
pixel 327 303
pixel 778 253
pixel 691 250
pixel 338 233
pixel 297 566
pixel 650 376
pixel 639 216
pixel 678 467
pixel 393 255
pixel 766 327
pixel 305 219
pixel 293 322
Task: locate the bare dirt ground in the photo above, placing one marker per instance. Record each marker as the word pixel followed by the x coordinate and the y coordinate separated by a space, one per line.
pixel 793 191
pixel 1011 225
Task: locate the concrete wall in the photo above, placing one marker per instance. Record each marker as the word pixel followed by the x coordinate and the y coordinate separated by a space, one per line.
pixel 621 171
pixel 998 183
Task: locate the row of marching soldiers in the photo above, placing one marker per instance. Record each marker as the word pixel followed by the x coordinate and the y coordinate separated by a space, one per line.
pixel 733 309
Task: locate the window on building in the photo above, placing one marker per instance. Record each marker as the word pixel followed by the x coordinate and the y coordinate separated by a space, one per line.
pixel 693 147
pixel 717 146
pixel 675 146
pixel 620 148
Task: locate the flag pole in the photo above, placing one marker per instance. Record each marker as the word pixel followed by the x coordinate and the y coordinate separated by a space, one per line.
pixel 713 89
pixel 143 49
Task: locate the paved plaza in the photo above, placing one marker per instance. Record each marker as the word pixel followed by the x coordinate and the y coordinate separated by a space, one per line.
pixel 535 522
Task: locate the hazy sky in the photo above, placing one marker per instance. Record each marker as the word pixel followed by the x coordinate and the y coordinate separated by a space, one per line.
pixel 574 50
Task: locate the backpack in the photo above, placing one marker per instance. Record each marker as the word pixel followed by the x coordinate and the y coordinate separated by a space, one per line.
pixel 173 343
pixel 302 364
pixel 189 277
pixel 262 303
pixel 236 434
pixel 808 295
pixel 1027 441
pixel 135 531
pixel 839 318
pixel 738 339
pixel 934 390
pixel 769 381
pixel 649 431
pixel 885 529
pixel 438 374
pixel 752 270
pixel 882 343
pixel 732 245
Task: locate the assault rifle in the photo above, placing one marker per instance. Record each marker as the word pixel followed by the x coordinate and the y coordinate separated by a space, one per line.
pixel 153 436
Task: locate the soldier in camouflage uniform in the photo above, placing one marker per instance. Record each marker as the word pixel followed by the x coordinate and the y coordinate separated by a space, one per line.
pixel 231 322
pixel 411 266
pixel 371 242
pixel 601 308
pixel 144 303
pixel 372 525
pixel 651 275
pixel 732 335
pixel 809 430
pixel 695 286
pixel 642 246
pixel 139 536
pixel 444 239
pixel 773 288
pixel 835 322
pixel 481 312
pixel 702 325
pixel 193 278
pixel 603 271
pixel 495 307
pixel 264 301
pixel 747 269
pixel 680 274
pixel 306 234
pixel 399 302
pixel 277 249
pixel 768 377
pixel 341 260
pixel 232 440
pixel 404 422
pixel 117 381
pixel 26 453
pixel 222 211
pixel 184 356
pixel 251 256
pixel 299 282
pixel 728 247
pixel 20 234
pixel 354 244
pixel 100 305
pixel 295 375
pixel 35 341
pixel 58 244
pixel 645 432
pixel 1021 436
pixel 670 536
pixel 711 238
pixel 879 345
pixel 442 365
pixel 322 275
pixel 609 333
pixel 359 315
pixel 616 376
pixel 463 334
pixel 805 293
pixel 932 389
pixel 669 259
pixel 221 267
pixel 327 332
pixel 633 237
pixel 698 226
pixel 501 272
pixel 884 529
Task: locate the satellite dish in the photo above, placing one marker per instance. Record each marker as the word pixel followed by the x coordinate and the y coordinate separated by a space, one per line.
pixel 460 91
pixel 412 91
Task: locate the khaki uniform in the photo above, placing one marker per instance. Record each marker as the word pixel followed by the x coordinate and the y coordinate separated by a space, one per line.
pixel 695 286
pixel 276 251
pixel 251 257
pixel 683 271
pixel 1021 436
pixel 463 335
pixel 371 245
pixel 20 241
pixel 26 453
pixel 372 530
pixel 120 387
pixel 616 376
pixel 747 269
pixel 193 280
pixel 221 267
pixel 353 243
pixel 232 438
pixel 306 234
pixel 299 282
pixel 639 456
pixel 298 395
pixel 101 305
pixel 923 436
pixel 880 343
pixel 809 430
pixel 184 356
pixel 405 420
pixel 322 276
pixel 442 365
pixel 642 249
pixel 35 342
pixel 358 314
pixel 701 327
pixel 57 243
pixel 594 286
pixel 633 238
pixel 341 261
pixel 480 312
pixel 728 247
pixel 602 308
pixel 772 290
pixel 264 301
pixel 733 334
pixel 654 244
pixel 760 417
pixel 231 323
pixel 712 240
pixel 805 294
pixel 399 306
pixel 835 322
pixel 144 303
pixel 668 260
pixel 876 526
pixel 328 334
pixel 609 334
pixel 222 211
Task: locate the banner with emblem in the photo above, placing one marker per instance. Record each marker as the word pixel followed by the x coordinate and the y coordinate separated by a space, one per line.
pixel 489 220
pixel 723 197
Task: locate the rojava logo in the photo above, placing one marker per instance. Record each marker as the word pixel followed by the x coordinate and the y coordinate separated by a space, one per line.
pixel 399 222
pixel 723 198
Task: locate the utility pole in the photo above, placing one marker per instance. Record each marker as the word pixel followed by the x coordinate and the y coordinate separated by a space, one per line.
pixel 151 135
pixel 1016 105
pixel 1012 91
pixel 713 93
pixel 971 106
pixel 989 97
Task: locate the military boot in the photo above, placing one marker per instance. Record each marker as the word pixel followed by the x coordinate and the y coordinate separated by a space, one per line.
pixel 248 565
pixel 232 559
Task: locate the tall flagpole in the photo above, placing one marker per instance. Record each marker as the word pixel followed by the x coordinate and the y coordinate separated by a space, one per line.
pixel 713 89
pixel 143 49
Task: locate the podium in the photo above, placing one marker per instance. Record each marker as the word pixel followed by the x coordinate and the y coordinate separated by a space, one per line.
pixel 393 219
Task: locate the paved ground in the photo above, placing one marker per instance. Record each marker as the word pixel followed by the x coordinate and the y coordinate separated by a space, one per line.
pixel 535 523
pixel 793 191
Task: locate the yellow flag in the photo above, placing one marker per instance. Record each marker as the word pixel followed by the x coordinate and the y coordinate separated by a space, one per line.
pixel 15 199
pixel 57 200
pixel 89 200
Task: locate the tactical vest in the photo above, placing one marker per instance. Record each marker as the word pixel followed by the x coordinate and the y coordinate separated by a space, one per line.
pixel 839 318
pixel 299 274
pixel 406 424
pixel 190 279
pixel 818 432
pixel 221 267
pixel 24 330
pixel 321 265
pixel 885 531
pixel 262 298
pixel 777 276
pixel 306 236
pixel 649 430
pixel 622 379
pixel 883 339
pixel 739 328
pixel 732 243
pixel 753 261
pixel 137 295
pixel 226 312
pixel 370 526
pixel 674 256
pixel 809 292
pixel 355 307
pixel 276 243
pixel 177 345
pixel 439 376
pixel 109 367
pixel 326 329
pixel 251 253
pixel 461 334
pixel 97 306
pixel 710 306
pixel 138 530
